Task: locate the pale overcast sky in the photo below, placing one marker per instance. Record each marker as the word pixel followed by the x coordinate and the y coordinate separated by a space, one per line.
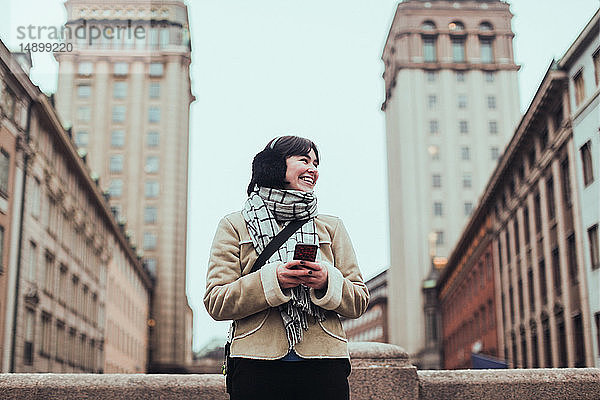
pixel 311 68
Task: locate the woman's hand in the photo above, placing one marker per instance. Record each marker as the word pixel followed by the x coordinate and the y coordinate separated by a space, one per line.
pixel 295 272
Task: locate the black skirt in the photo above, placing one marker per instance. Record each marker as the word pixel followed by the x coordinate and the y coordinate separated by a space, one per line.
pixel 314 379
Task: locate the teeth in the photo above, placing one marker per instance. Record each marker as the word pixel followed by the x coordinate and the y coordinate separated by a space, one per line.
pixel 307 179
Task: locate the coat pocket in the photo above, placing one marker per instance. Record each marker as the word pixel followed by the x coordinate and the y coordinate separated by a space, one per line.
pixel 333 327
pixel 247 326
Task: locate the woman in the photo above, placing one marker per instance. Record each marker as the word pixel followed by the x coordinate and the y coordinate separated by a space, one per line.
pixel 287 339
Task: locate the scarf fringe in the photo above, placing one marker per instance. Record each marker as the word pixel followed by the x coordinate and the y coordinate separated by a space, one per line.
pixel 295 314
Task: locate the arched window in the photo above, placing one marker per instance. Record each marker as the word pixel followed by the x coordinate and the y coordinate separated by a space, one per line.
pixel 485 27
pixel 456 26
pixel 428 26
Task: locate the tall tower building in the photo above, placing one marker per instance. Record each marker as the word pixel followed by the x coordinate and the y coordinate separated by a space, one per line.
pixel 124 87
pixel 451 105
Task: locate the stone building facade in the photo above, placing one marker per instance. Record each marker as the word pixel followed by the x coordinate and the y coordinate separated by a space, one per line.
pixel 128 299
pixel 451 106
pixel 127 96
pixel 372 325
pixel 535 218
pixel 582 64
pixel 15 98
pixel 63 240
pixel 467 296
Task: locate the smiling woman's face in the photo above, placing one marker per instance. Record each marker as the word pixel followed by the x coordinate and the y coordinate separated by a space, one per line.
pixel 302 173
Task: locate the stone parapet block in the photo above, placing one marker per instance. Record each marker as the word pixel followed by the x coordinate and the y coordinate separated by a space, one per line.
pixel 381 371
pixel 111 386
pixel 503 384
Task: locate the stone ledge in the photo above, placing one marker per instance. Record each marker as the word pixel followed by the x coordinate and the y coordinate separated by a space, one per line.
pixel 501 384
pixel 379 371
pixel 111 386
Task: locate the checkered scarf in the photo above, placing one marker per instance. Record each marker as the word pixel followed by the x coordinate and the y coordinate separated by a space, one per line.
pixel 263 209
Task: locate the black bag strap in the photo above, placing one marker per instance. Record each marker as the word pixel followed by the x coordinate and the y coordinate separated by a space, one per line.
pixel 276 243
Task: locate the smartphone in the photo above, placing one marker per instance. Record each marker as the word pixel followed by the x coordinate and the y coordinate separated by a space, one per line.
pixel 305 252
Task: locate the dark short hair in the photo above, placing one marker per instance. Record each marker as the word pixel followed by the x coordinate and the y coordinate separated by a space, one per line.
pixel 269 166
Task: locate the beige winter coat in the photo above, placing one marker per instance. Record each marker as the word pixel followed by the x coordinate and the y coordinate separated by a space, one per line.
pixel 251 299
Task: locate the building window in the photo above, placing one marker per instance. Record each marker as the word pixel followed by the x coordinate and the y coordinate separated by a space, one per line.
pixel 84 114
pixel 458 50
pixel 154 90
pixel 491 102
pixel 597 318
pixel 49 274
pixel 85 68
pixel 429 52
pixel 579 87
pixel 437 209
pixel 463 127
pixel 462 101
pixel 550 198
pixel 494 153
pixel 164 37
pixel 460 76
pixel 149 241
pixel 36 195
pixel 120 90
pixel 62 283
pixel 32 265
pixel 487 53
pixel 434 151
pixel 150 214
pixel 151 189
pixel 46 335
pixel 436 180
pixel 431 101
pixel 115 188
pixel 4 172
pixel 84 91
pixel 116 163
pixel 434 127
pixel 467 180
pixel 439 238
pixel 493 127
pixel 154 114
pixel 456 26
pixel 594 246
pixel 28 350
pixel 586 160
pixel 118 113
pixel 82 138
pixel 156 69
pixel 431 76
pixel 543 140
pixel 60 343
pixel 485 27
pixel 152 163
pixel 465 153
pixel 153 139
pixel 566 182
pixel 428 26
pixel 489 76
pixel 556 271
pixel 121 68
pixel 596 58
pixel 117 138
pixel 468 207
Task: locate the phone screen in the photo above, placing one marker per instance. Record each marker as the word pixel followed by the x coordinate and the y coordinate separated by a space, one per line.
pixel 306 252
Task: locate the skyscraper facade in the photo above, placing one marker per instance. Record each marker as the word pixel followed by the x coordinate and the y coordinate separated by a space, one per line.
pixel 451 105
pixel 125 90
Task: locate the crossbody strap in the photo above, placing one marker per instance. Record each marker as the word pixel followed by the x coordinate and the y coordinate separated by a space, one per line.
pixel 276 243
